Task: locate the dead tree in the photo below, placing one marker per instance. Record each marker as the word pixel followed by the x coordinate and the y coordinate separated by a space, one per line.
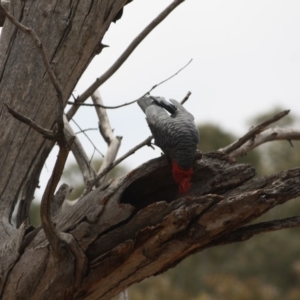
pixel 121 232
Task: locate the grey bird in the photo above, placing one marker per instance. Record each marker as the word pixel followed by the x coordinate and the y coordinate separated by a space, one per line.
pixel 175 132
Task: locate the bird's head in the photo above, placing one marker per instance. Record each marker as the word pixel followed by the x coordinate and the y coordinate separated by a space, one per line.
pixel 182 177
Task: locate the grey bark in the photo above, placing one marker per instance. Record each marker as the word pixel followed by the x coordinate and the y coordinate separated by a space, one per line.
pixel 5 4
pixel 65 27
pixel 135 227
pixel 140 226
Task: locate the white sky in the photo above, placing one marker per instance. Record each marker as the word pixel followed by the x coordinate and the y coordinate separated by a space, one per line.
pixel 245 61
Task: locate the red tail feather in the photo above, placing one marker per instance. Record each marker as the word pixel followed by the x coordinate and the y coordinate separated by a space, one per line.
pixel 182 177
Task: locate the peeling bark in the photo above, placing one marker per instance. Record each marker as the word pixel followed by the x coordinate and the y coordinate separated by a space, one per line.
pixel 64 27
pixel 140 226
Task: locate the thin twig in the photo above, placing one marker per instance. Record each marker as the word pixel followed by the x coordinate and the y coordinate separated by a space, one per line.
pixel 146 142
pixel 186 98
pixel 102 106
pixel 92 156
pixel 254 131
pixel 134 101
pixel 46 133
pixel 87 138
pixel 119 62
pixel 85 130
pixel 80 155
pixel 113 142
pixel 39 45
pixel 155 86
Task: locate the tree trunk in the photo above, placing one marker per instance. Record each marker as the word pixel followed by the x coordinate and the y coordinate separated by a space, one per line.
pixel 135 227
pixel 71 33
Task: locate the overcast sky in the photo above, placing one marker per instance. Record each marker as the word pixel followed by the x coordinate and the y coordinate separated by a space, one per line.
pixel 245 61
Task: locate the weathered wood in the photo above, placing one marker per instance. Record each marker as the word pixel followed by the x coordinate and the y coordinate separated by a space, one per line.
pixel 135 227
pixel 5 4
pixel 65 28
pixel 140 226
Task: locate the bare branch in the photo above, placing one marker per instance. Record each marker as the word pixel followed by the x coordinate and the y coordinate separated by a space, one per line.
pixel 85 130
pixel 131 102
pixel 31 33
pixel 119 62
pixel 146 142
pixel 112 141
pixel 103 106
pixel 88 138
pixel 54 237
pixel 80 155
pixel 155 86
pixel 253 132
pixel 246 232
pixel 186 98
pixel 45 132
pixel 268 135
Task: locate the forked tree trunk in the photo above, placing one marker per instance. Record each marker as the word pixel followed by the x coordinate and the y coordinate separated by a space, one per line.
pixel 134 228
